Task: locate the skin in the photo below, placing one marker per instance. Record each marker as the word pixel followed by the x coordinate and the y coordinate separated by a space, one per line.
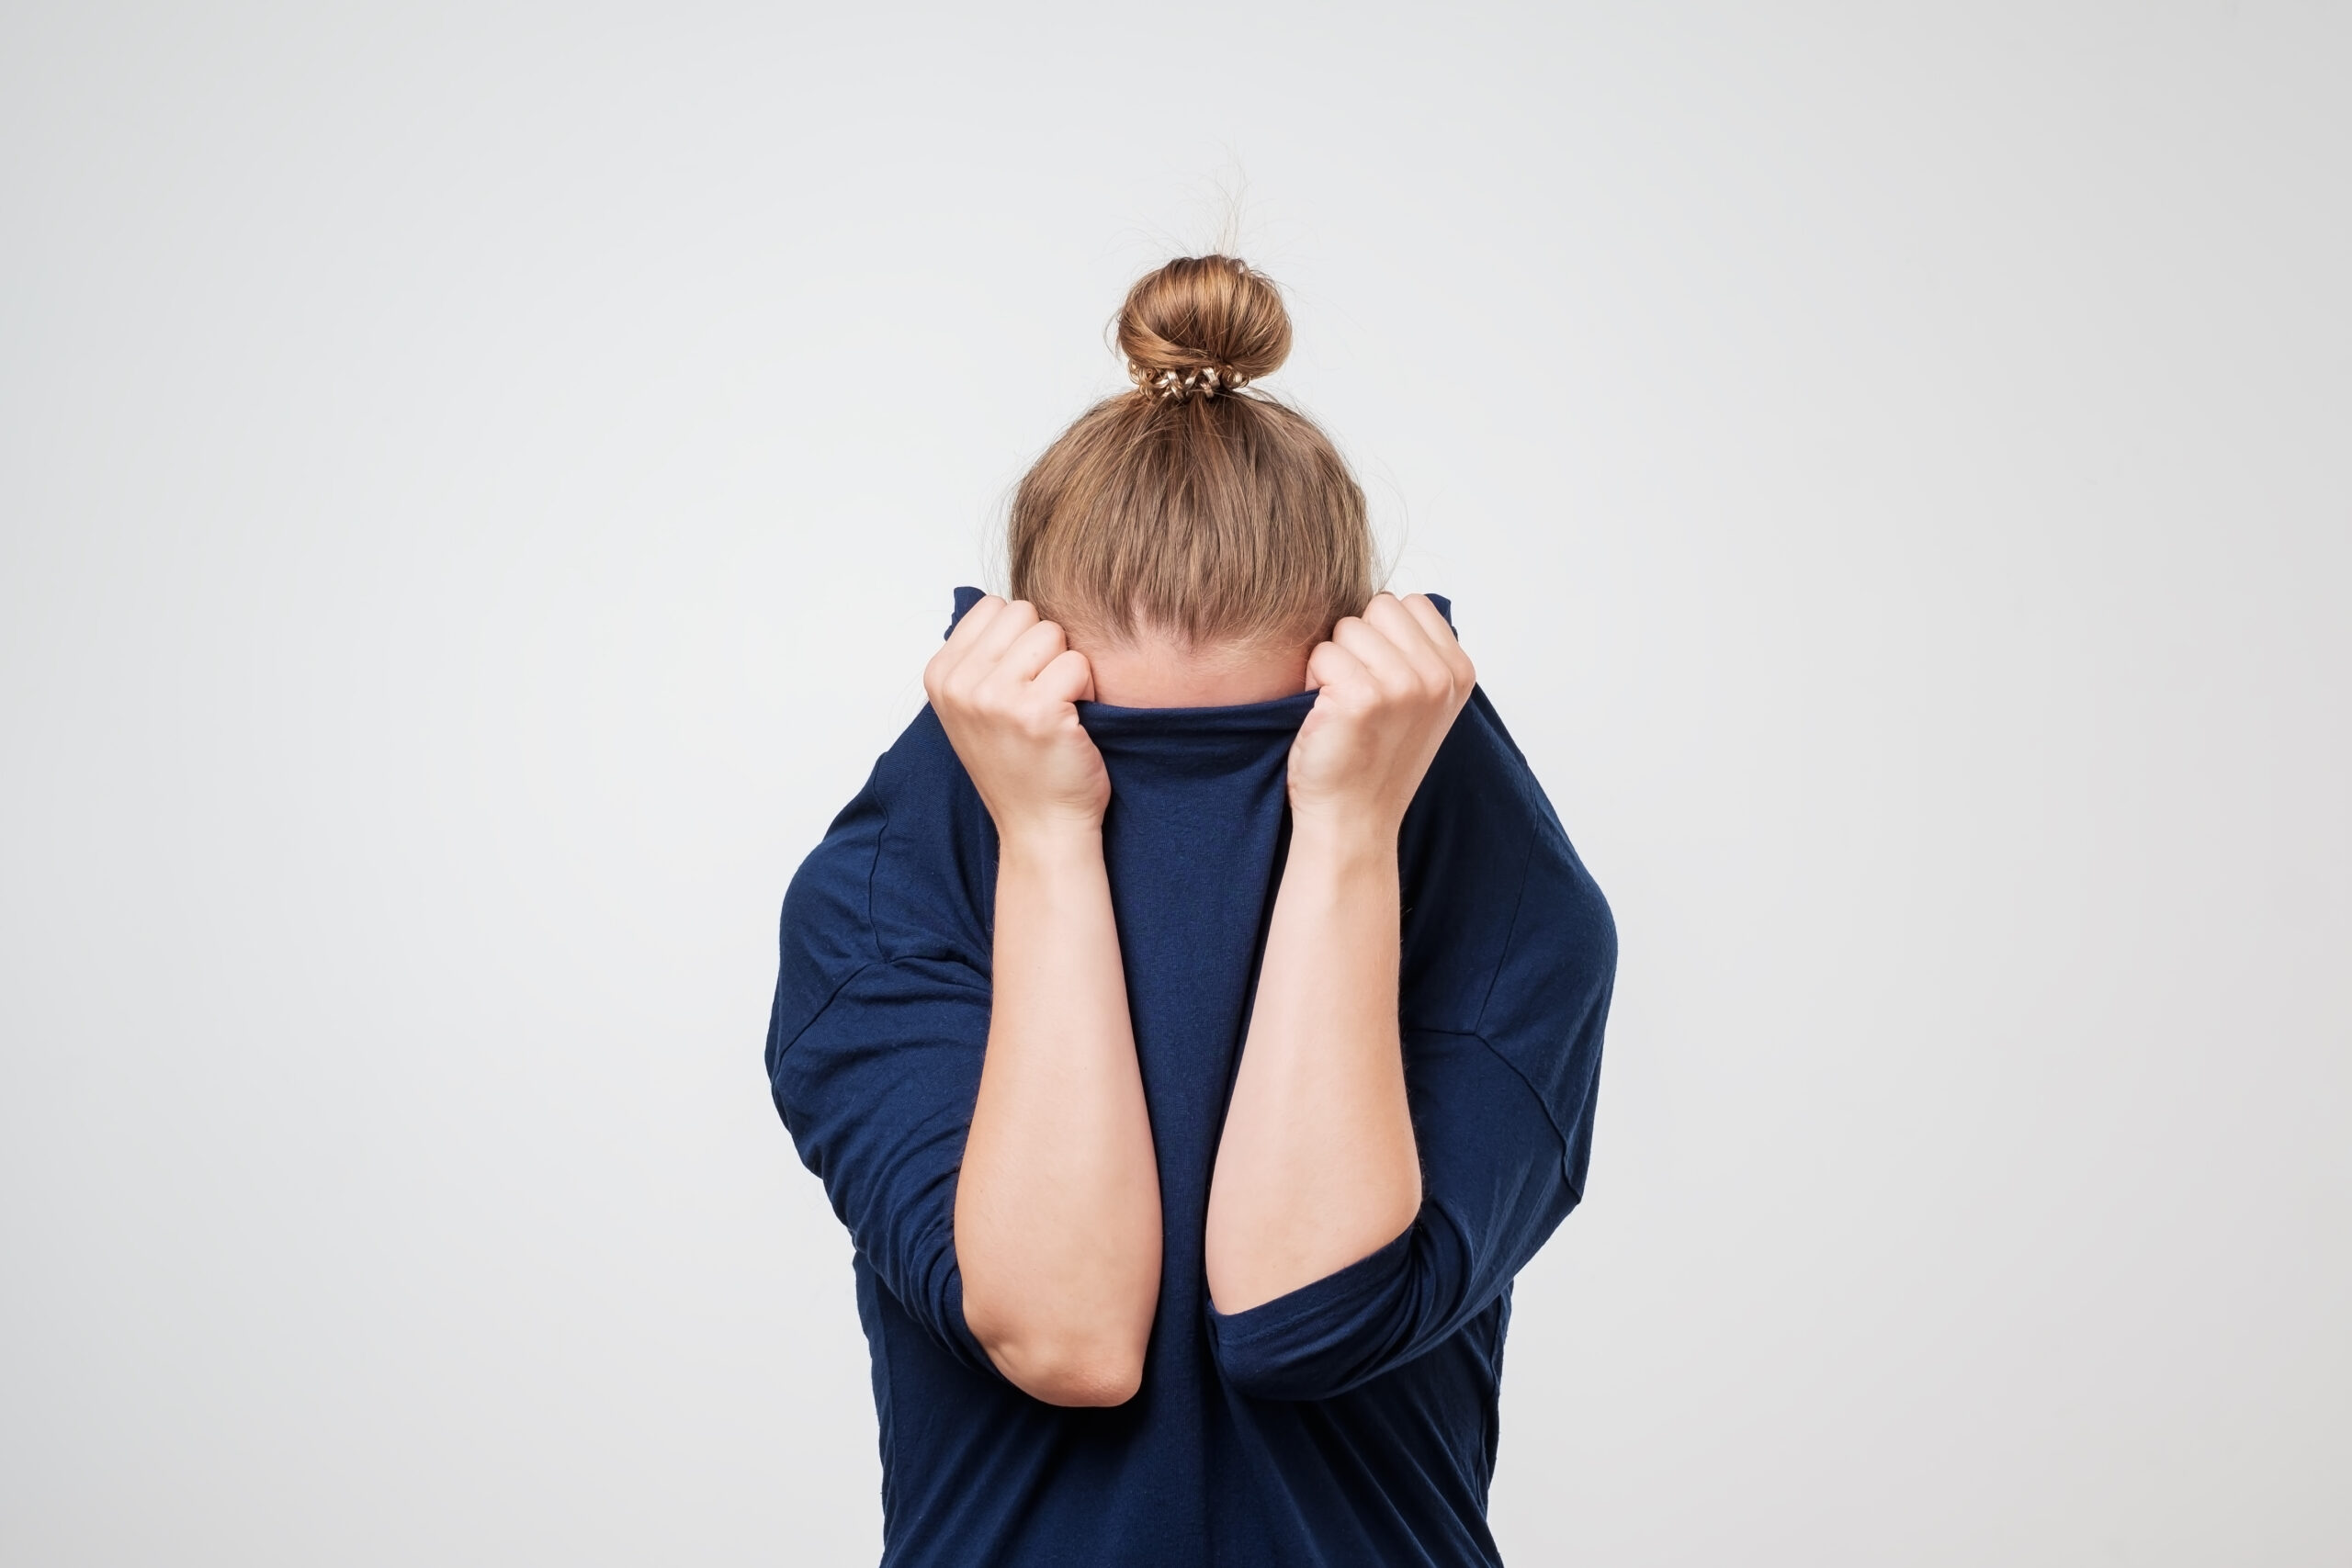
pixel 1058 1222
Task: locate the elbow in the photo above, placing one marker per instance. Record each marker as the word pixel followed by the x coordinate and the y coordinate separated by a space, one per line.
pixel 1097 1384
pixel 1077 1344
pixel 1073 1358
pixel 1067 1336
pixel 1072 1372
pixel 1322 1338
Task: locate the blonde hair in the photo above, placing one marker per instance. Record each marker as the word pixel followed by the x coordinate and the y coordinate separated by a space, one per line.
pixel 1191 505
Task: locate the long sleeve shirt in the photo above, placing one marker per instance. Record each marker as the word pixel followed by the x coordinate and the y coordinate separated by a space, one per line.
pixel 1348 1423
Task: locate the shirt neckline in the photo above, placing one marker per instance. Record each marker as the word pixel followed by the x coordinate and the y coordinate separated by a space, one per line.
pixel 1271 715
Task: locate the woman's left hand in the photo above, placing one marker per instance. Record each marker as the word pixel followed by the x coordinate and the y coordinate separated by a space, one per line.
pixel 1317 1167
pixel 1389 685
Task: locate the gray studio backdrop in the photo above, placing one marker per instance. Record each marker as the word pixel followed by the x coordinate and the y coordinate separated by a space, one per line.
pixel 480 485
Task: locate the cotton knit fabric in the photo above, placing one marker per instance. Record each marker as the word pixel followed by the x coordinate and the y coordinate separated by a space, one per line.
pixel 1350 1423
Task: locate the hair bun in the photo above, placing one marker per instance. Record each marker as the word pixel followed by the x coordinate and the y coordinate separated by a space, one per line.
pixel 1205 324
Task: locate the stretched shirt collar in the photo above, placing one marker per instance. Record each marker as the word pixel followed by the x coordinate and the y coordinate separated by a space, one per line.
pixel 1277 716
pixel 1191 740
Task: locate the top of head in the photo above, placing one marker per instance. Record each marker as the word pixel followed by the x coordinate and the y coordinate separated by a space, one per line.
pixel 1178 509
pixel 1203 322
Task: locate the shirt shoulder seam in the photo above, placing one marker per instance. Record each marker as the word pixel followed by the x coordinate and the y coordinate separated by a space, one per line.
pixel 1518 906
pixel 827 1006
pixel 1559 1135
pixel 872 937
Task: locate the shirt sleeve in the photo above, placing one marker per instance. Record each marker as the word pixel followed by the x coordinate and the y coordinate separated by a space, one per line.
pixel 878 1092
pixel 1495 1186
pixel 1503 1003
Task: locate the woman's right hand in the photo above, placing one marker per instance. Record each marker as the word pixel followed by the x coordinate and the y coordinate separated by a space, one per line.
pixel 1057 1223
pixel 1005 686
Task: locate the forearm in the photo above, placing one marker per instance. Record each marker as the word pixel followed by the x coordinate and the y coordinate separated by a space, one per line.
pixel 1057 1226
pixel 1317 1167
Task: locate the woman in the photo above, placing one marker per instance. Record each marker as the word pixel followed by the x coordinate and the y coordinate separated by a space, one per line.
pixel 1195 1020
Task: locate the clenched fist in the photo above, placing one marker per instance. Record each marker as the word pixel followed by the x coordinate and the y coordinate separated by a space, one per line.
pixel 1387 687
pixel 1005 685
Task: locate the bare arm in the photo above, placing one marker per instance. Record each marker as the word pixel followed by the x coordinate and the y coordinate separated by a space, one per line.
pixel 1317 1167
pixel 1057 1226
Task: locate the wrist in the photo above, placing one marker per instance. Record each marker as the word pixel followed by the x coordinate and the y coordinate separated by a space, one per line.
pixel 1342 839
pixel 1049 844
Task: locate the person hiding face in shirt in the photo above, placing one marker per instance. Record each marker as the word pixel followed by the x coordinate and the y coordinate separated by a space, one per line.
pixel 1196 1017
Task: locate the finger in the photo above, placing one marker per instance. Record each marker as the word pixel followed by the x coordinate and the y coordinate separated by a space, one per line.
pixel 1031 652
pixel 1003 629
pixel 1443 640
pixel 1395 619
pixel 960 677
pixel 961 638
pixel 1332 665
pixel 1068 676
pixel 1388 667
pixel 969 625
pixel 1439 631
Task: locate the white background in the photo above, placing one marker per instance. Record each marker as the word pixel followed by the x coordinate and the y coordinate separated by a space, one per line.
pixel 480 484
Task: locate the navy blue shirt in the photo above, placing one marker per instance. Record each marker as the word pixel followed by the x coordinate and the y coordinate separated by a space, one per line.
pixel 1352 1422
